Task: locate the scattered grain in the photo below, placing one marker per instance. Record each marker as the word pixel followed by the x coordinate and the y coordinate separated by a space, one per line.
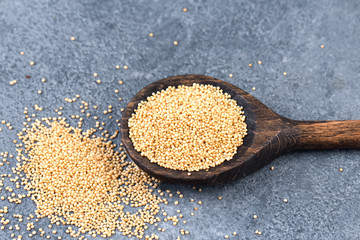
pixel 12 82
pixel 86 183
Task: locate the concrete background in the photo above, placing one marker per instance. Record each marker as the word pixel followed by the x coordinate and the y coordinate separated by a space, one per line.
pixel 216 38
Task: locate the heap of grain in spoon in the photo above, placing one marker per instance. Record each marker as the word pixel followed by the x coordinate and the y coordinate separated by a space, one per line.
pixel 188 128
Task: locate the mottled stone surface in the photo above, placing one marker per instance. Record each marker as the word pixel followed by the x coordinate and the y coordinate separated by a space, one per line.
pixel 215 38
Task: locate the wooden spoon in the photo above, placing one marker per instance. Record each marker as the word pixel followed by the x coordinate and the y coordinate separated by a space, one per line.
pixel 269 135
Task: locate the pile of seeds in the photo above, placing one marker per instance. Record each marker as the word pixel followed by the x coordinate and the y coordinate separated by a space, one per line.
pixel 77 178
pixel 188 128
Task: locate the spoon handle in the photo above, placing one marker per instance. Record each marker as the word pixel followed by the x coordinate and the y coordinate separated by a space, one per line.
pixel 327 134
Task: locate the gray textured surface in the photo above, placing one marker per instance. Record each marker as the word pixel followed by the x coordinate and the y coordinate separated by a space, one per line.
pixel 216 38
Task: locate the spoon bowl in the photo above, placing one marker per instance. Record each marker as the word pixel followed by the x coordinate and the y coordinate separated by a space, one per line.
pixel 269 135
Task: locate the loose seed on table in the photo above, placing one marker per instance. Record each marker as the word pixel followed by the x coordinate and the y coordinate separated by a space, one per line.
pixel 13 82
pixel 90 161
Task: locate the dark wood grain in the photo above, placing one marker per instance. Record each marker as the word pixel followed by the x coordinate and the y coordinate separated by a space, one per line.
pixel 269 135
pixel 327 134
